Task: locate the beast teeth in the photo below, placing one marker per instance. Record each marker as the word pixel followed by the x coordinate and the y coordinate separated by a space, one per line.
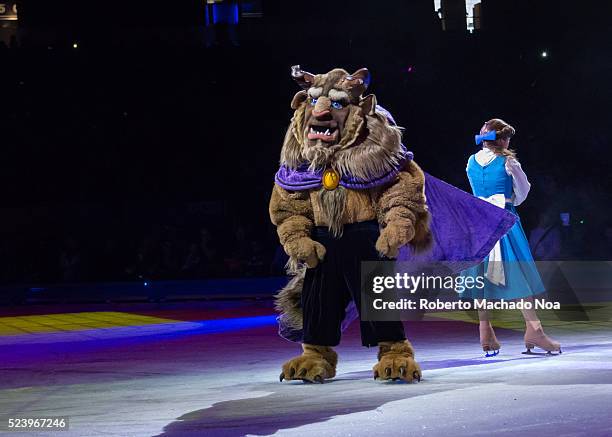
pixel 314 131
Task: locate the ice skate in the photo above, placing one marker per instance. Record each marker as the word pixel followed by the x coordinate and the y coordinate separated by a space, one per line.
pixel 536 337
pixel 488 340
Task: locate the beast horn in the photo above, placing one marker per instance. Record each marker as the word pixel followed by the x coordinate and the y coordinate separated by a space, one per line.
pixel 357 82
pixel 303 78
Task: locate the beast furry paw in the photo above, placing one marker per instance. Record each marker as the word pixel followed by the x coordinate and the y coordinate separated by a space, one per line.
pixel 306 250
pixel 391 238
pixel 396 361
pixel 316 364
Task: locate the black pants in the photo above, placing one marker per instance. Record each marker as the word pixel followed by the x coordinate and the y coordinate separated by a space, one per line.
pixel 330 287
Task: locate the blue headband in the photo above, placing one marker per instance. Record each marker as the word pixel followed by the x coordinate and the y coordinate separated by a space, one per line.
pixel 489 136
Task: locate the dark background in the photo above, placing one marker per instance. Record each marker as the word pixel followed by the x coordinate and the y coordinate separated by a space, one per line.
pixel 148 149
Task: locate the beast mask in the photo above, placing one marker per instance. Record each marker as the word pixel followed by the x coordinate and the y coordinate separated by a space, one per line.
pixel 338 136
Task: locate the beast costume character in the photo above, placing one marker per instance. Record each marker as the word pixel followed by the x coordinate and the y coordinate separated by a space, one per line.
pixel 348 191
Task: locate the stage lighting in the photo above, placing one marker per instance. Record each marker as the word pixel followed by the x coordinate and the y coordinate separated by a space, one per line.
pixel 544 54
pixel 75 45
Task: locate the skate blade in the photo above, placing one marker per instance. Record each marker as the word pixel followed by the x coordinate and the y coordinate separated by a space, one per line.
pixel 544 354
pixel 491 353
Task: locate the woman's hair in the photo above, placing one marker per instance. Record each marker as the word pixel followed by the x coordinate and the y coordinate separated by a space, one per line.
pixel 502 130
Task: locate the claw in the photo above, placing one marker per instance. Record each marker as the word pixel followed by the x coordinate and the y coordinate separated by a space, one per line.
pixel 318 379
pixel 402 371
pixel 416 375
pixel 376 375
pixel 388 371
pixel 281 377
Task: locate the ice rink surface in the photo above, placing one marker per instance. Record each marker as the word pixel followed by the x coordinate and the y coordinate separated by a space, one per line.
pixel 181 373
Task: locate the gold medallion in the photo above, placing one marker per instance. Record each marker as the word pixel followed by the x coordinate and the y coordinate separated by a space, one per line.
pixel 330 179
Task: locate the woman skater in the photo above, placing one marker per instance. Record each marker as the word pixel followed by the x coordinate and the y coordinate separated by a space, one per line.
pixel 497 177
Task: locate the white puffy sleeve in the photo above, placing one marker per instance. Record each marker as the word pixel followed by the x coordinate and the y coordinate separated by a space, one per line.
pixel 520 184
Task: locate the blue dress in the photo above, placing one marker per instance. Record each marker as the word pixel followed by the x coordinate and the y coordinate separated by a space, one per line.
pixel 522 279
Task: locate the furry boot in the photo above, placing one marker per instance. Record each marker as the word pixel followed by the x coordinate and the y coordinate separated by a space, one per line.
pixel 316 364
pixel 396 361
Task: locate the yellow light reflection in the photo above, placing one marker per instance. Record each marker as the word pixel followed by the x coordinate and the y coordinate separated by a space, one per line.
pixel 74 322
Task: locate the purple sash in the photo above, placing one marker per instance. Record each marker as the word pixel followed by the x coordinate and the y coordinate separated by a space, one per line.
pixel 301 179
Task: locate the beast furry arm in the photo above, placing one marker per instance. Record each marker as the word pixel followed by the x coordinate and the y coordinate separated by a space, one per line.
pixel 402 213
pixel 292 214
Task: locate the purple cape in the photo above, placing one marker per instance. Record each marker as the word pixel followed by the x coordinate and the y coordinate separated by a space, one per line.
pixel 464 230
pixel 301 179
pixel 464 227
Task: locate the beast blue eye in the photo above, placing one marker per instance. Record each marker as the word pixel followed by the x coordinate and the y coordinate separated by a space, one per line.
pixel 337 105
pixel 313 102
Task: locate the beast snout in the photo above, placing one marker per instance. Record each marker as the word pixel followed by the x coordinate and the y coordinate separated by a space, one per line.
pixel 322 107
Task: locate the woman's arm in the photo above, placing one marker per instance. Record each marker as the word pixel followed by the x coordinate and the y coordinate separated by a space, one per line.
pixel 520 184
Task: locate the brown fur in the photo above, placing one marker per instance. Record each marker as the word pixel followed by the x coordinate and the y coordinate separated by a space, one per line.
pixel 291 152
pixel 316 364
pixel 293 229
pixel 396 361
pixel 402 212
pixel 333 204
pixel 292 214
pixel 379 152
pixel 298 99
pixel 358 207
pixel 325 351
pixel 369 145
pixel 332 79
pixel 304 250
pixel 288 301
pixel 285 204
pixel 397 347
